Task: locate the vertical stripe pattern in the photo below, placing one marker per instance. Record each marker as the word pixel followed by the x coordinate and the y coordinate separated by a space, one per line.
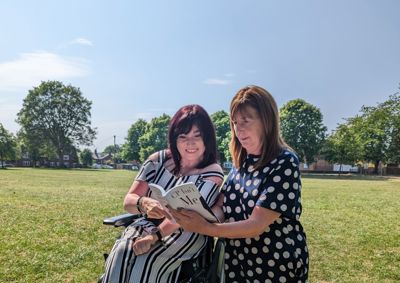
pixel 162 263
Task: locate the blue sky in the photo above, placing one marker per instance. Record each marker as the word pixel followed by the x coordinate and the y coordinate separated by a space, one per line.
pixel 139 59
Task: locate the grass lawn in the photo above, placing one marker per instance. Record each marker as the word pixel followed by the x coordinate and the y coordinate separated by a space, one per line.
pixel 51 225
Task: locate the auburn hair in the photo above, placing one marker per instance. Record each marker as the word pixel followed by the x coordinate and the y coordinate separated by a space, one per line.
pixel 267 110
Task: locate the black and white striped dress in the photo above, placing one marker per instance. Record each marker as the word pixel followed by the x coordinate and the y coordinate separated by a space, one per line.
pixel 163 262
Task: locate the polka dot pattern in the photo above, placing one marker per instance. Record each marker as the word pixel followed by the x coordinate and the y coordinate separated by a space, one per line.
pixel 280 253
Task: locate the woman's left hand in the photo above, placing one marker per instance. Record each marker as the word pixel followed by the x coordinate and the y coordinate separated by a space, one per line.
pixel 189 220
pixel 143 244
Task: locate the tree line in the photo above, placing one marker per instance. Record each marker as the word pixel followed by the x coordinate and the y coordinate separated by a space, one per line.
pixel 55 120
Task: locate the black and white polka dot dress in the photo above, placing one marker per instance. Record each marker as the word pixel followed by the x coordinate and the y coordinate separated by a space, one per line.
pixel 280 253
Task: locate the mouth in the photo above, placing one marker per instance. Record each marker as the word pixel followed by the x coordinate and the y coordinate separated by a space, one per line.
pixel 191 150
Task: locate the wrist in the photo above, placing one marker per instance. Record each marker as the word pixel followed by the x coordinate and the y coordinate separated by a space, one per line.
pixel 139 204
pixel 154 238
pixel 155 234
pixel 208 229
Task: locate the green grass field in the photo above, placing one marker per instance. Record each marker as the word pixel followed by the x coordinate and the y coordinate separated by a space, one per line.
pixel 51 225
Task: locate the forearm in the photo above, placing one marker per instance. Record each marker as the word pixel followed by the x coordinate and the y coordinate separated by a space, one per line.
pixel 130 203
pixel 240 229
pixel 167 227
pixel 252 227
pixel 138 188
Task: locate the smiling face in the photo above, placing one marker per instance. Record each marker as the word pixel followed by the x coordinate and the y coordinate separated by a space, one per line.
pixel 191 145
pixel 249 130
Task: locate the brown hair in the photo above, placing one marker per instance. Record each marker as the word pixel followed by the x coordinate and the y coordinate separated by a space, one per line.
pixel 264 104
pixel 182 123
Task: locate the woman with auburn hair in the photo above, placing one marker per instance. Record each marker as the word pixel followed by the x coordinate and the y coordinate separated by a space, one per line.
pixel 261 198
pixel 153 248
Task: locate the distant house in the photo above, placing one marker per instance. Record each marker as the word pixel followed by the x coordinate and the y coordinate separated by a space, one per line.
pixel 70 160
pixel 393 169
pixel 25 161
pixel 320 165
pixel 99 158
pixel 345 168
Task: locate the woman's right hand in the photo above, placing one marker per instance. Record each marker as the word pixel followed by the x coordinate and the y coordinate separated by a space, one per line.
pixel 152 208
pixel 189 220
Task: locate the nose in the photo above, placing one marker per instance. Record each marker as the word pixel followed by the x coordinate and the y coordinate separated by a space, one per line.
pixel 190 140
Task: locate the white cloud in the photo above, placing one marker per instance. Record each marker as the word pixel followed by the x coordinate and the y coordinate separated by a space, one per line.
pixel 81 41
pixel 154 112
pixel 217 82
pixel 32 68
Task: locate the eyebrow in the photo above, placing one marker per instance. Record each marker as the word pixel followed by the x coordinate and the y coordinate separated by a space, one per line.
pixel 242 117
pixel 195 132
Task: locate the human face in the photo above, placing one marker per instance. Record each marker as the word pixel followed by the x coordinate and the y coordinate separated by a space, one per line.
pixel 248 129
pixel 191 146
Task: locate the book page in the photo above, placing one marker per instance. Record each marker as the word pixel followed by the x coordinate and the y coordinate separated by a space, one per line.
pixel 187 196
pixel 158 193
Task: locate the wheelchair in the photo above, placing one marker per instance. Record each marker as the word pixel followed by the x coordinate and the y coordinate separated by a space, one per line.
pixel 208 267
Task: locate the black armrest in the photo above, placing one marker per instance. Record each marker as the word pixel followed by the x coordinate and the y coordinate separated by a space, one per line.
pixel 121 220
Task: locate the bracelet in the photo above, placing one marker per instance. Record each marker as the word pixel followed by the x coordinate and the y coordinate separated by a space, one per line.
pixel 158 234
pixel 139 204
pixel 160 237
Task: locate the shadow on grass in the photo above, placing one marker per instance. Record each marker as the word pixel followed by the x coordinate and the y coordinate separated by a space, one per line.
pixel 61 169
pixel 345 177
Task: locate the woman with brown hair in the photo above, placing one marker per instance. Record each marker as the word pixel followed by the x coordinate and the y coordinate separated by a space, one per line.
pixel 261 200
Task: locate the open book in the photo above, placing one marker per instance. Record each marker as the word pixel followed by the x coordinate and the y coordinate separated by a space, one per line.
pixel 183 196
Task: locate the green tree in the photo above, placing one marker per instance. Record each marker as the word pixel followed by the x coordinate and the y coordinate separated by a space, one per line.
pixel 378 128
pixel 112 149
pixel 225 145
pixel 371 130
pixel 302 128
pixel 30 146
pixel 131 148
pixel 343 146
pixel 115 151
pixel 7 145
pixel 222 130
pixel 86 157
pixel 59 114
pixel 155 136
pixel 391 108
